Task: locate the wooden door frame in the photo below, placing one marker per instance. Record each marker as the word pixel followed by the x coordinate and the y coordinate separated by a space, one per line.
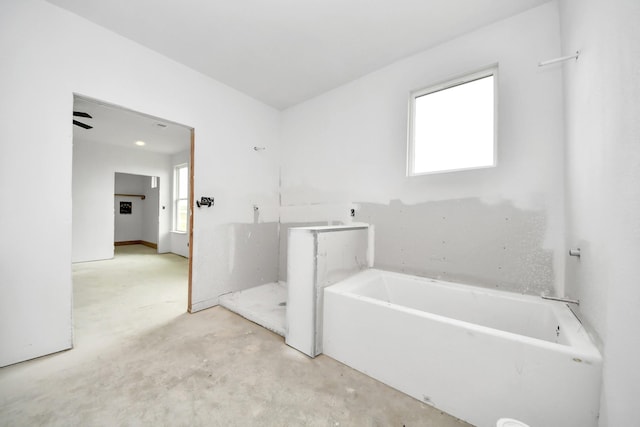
pixel 191 202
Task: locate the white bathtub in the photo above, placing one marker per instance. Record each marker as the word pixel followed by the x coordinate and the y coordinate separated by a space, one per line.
pixel 475 353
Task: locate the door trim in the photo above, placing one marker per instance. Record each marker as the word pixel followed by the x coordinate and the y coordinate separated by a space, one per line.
pixel 191 179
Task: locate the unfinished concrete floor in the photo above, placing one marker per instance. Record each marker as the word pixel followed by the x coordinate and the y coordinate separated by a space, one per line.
pixel 141 360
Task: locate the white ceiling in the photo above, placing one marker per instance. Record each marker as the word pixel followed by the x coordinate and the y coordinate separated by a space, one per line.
pixel 118 126
pixel 283 52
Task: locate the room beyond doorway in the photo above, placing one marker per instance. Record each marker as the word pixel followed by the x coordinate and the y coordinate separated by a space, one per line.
pixel 136 210
pixel 113 145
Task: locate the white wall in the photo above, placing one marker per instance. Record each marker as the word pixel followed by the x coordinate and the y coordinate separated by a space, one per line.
pixel 602 99
pixel 179 241
pixel 151 209
pixel 499 227
pixel 127 226
pixel 94 169
pixel 142 222
pixel 48 54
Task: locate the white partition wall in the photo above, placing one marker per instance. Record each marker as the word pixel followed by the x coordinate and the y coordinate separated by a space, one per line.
pixel 319 257
pixel 57 57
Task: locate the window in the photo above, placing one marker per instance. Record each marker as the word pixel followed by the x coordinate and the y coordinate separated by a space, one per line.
pixel 180 197
pixel 452 125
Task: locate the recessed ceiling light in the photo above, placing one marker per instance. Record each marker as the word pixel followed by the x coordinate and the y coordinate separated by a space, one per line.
pixel 140 143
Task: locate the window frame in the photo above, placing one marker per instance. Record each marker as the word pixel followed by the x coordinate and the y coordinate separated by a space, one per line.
pixel 444 85
pixel 176 196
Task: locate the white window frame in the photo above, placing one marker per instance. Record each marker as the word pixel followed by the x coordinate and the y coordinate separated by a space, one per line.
pixel 177 199
pixel 450 83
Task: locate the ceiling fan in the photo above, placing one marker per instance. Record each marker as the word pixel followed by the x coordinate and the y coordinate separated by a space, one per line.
pixel 81 114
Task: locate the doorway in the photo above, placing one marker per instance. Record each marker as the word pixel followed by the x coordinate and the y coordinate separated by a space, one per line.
pixel 136 210
pixel 114 146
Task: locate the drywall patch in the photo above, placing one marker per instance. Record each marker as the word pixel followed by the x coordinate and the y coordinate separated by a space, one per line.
pixel 464 240
pixel 244 255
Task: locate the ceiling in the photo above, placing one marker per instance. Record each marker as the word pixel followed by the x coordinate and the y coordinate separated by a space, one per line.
pixel 119 126
pixel 284 52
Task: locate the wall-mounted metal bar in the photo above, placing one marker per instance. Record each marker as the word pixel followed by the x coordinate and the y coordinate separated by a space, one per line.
pixel 142 196
pixel 561 59
pixel 570 301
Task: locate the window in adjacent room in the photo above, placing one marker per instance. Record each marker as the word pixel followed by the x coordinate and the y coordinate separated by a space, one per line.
pixel 452 126
pixel 180 197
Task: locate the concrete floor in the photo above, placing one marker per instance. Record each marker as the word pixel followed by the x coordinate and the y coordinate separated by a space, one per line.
pixel 139 359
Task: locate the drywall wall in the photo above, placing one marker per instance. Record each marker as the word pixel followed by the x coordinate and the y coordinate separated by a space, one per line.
pixel 141 223
pixel 48 54
pixel 347 149
pixel 248 253
pixel 94 214
pixel 602 93
pixel 128 222
pixel 179 241
pixel 510 241
pixel 320 256
pixel 151 209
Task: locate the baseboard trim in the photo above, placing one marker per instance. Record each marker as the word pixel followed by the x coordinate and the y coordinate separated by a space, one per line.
pixel 136 242
pixel 203 305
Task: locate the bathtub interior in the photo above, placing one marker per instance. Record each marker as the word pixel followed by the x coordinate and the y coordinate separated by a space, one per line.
pixel 522 315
